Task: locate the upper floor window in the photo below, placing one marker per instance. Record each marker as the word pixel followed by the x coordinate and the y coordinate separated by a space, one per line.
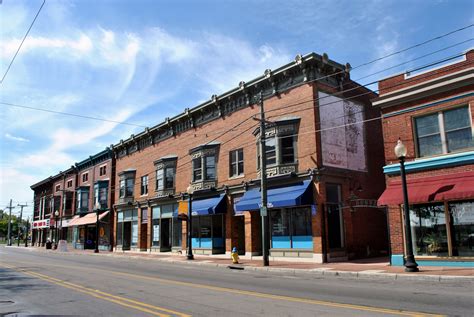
pixel 144 185
pixel 101 193
pixel 102 170
pixel 126 183
pixel 85 177
pixel 58 188
pixel 204 166
pixel 444 132
pixel 165 175
pixel 236 163
pixel 280 143
pixel 69 183
pixel 82 202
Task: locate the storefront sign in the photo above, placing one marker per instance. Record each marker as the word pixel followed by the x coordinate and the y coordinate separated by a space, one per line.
pixel 183 207
pixel 156 232
pixel 40 224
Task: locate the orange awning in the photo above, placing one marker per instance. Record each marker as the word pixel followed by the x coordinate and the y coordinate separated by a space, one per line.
pixel 430 189
pixel 88 219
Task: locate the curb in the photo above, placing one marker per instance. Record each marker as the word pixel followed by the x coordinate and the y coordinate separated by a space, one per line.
pixel 286 271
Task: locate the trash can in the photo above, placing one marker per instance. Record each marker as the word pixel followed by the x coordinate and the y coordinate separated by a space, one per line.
pixel 48 244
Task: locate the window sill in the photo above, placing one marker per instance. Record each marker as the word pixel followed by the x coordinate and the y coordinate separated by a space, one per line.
pixel 236 177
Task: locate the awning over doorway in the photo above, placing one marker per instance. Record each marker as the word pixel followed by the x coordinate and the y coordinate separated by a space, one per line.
pixel 287 196
pixel 88 219
pixel 209 206
pixel 67 222
pixel 430 189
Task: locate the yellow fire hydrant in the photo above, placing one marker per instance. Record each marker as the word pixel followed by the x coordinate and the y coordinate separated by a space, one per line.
pixel 234 256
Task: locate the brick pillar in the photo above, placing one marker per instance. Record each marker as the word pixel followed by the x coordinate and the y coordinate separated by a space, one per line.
pixel 230 230
pixel 148 229
pixel 184 236
pixel 253 232
pixel 317 222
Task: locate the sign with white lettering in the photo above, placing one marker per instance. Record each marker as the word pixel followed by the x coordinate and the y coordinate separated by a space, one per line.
pixel 40 224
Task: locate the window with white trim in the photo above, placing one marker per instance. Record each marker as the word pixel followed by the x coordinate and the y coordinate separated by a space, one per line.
pixel 444 132
pixel 236 163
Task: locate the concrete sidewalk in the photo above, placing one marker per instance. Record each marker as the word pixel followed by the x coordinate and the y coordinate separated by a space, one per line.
pixel 372 268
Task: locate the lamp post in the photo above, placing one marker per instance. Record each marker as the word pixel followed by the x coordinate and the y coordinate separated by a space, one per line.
pixel 97 209
pixel 410 263
pixel 56 215
pixel 190 192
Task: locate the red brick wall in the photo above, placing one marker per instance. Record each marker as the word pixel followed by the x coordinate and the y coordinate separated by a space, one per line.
pixel 180 144
pixel 399 82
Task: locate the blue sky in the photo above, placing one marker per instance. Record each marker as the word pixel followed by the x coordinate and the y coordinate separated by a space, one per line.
pixel 141 61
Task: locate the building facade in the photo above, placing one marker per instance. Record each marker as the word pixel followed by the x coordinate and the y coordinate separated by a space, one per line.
pixel 324 154
pixel 432 112
pixel 94 200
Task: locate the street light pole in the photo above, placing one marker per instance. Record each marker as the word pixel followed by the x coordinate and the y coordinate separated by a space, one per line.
pixel 27 231
pixel 189 254
pixel 56 216
pixel 410 263
pixel 97 228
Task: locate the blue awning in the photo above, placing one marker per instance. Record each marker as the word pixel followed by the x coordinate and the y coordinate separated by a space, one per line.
pixel 209 206
pixel 293 195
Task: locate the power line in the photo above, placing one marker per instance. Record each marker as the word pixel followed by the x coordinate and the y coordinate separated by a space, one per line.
pixel 317 79
pixel 21 44
pixel 71 114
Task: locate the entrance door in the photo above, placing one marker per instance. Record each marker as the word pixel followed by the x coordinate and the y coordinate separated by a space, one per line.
pixel 89 242
pixel 127 235
pixel 334 217
pixel 165 235
pixel 240 227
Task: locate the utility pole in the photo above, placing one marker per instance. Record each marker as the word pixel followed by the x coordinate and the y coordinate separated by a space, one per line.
pixel 27 231
pixel 10 224
pixel 19 223
pixel 263 186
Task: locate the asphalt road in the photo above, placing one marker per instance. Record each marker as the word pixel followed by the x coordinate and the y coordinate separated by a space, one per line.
pixel 71 284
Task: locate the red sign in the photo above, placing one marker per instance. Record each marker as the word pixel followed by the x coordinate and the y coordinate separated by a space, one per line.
pixel 39 224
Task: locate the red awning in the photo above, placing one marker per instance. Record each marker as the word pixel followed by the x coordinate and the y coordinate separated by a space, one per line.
pixel 88 219
pixel 430 189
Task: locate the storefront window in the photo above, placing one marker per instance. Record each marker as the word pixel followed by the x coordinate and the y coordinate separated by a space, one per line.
pixel 208 232
pixel 155 230
pixel 428 229
pixel 462 228
pixel 134 233
pixel 291 228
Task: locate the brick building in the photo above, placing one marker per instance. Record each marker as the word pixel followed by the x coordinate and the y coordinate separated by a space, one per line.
pixel 323 166
pixel 75 194
pixel 94 200
pixel 432 112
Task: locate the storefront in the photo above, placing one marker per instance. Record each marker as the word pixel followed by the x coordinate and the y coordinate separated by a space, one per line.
pixel 40 232
pixel 127 230
pixel 84 231
pixel 441 218
pixel 290 209
pixel 166 228
pixel 208 230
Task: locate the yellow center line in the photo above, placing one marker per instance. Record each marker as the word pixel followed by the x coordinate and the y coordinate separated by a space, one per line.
pixel 101 295
pixel 263 295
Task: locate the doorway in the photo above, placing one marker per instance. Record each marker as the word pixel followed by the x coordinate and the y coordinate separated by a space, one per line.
pixel 127 234
pixel 89 242
pixel 335 219
pixel 165 244
pixel 240 229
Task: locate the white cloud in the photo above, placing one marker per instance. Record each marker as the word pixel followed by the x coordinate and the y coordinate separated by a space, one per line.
pixel 16 138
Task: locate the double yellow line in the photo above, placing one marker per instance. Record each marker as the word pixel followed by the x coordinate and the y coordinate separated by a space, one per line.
pixel 144 307
pixel 114 298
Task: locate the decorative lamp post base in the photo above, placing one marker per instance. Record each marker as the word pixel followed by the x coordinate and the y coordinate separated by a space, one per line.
pixel 411 265
pixel 190 256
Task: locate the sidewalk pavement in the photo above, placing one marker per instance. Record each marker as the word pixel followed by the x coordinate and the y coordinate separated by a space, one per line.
pixel 372 268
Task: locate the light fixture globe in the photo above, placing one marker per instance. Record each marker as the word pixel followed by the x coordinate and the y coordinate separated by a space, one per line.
pixel 56 213
pixel 400 149
pixel 190 189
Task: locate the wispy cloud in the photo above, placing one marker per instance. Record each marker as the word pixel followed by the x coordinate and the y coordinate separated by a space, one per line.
pixel 16 138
